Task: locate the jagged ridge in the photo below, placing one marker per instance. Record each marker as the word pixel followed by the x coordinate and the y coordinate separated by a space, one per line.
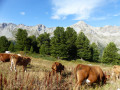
pixel 99 35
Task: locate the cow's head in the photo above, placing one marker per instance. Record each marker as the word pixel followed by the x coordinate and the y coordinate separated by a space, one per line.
pixel 106 77
pixel 29 60
pixel 62 67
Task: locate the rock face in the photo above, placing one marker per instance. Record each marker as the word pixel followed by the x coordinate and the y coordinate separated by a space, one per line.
pixel 9 30
pixel 100 35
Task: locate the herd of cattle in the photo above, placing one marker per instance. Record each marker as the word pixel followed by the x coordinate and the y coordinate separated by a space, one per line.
pixel 83 73
pixel 15 59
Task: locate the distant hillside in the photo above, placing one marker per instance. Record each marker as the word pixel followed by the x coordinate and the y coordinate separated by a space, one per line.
pixel 100 35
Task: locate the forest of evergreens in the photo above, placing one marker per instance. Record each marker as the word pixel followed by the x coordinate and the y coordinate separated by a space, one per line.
pixel 65 44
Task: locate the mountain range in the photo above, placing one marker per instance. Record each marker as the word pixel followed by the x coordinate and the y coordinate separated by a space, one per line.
pixel 100 35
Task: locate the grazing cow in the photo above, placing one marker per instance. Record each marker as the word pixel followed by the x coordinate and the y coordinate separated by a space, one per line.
pixel 19 60
pixel 89 74
pixel 5 57
pixel 116 71
pixel 57 67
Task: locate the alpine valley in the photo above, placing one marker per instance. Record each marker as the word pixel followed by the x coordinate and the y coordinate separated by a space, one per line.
pixel 100 35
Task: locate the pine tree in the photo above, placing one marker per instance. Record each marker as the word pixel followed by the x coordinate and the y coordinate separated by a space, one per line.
pixel 31 49
pixel 42 50
pixel 71 36
pixel 4 44
pixel 33 43
pixel 44 40
pixel 11 47
pixel 83 47
pixel 58 46
pixel 25 50
pixel 94 53
pixel 21 40
pixel 110 54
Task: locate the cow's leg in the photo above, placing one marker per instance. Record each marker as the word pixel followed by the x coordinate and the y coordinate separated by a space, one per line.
pixel 60 72
pixel 11 65
pixel 116 76
pixel 24 68
pixel 15 67
pixel 78 84
pixel 80 80
pixel 54 72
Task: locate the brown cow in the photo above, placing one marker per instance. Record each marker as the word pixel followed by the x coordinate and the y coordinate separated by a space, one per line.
pixel 5 57
pixel 19 60
pixel 116 71
pixel 57 67
pixel 89 74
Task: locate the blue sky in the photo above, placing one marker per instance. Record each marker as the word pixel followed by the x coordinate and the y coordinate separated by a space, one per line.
pixel 52 13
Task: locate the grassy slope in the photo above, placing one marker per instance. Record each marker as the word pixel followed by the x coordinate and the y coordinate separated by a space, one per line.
pixel 37 76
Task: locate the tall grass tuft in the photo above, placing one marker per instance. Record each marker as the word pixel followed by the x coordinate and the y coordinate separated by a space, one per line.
pixel 1 81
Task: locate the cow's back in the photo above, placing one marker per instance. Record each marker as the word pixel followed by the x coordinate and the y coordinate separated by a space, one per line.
pixel 81 72
pixel 20 60
pixel 57 66
pixel 5 57
pixel 116 68
pixel 96 74
pixel 89 74
pixel 116 71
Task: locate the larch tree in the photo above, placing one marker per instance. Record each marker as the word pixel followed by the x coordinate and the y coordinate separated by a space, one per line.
pixel 4 44
pixel 83 47
pixel 11 47
pixel 94 52
pixel 110 54
pixel 58 43
pixel 43 42
pixel 21 40
pixel 71 36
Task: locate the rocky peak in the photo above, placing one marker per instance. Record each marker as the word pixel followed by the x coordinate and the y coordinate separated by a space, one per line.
pixel 80 23
pixel 3 25
pixel 40 27
pixel 100 35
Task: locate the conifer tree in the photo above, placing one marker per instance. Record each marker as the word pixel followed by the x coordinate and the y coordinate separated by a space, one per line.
pixel 25 50
pixel 4 44
pixel 11 47
pixel 110 54
pixel 43 42
pixel 71 36
pixel 83 47
pixel 94 53
pixel 42 49
pixel 58 46
pixel 31 49
pixel 33 43
pixel 21 40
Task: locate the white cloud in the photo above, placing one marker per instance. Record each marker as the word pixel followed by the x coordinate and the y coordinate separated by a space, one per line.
pixel 22 13
pixel 55 17
pixel 81 9
pixel 118 14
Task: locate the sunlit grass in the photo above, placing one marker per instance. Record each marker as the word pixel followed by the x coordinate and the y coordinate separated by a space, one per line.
pixel 37 76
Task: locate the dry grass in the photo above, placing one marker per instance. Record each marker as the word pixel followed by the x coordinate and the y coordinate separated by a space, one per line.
pixel 37 77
